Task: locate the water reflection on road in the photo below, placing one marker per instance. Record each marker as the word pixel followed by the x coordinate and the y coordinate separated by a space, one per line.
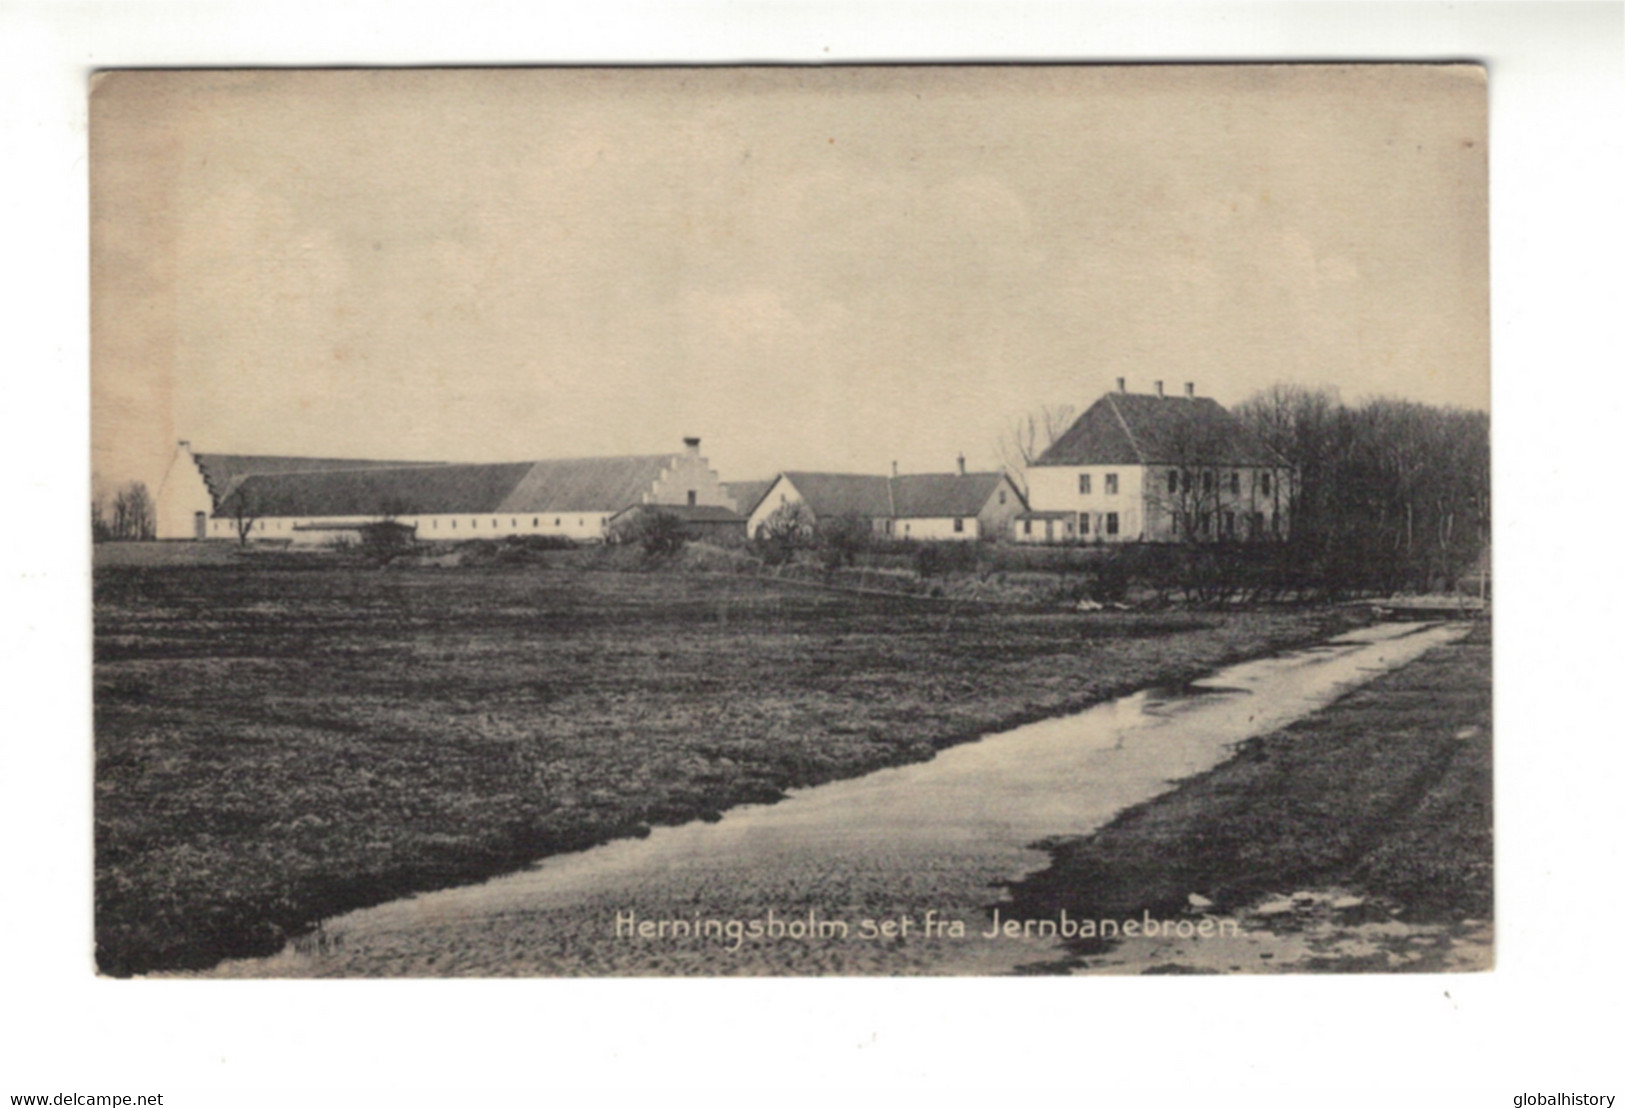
pixel 934 837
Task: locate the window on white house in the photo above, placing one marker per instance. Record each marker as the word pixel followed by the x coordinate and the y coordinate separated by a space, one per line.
pixel 1111 484
pixel 1026 527
pixel 1001 496
pixel 1083 484
pixel 1173 480
pixel 1264 483
pixel 1083 523
pixel 1111 523
pixel 1235 484
pixel 693 498
pixel 454 525
pixel 959 526
pixel 1207 481
pixel 535 522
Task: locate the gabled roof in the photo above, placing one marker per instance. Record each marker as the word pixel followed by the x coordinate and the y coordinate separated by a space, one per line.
pixel 937 495
pixel 911 496
pixel 843 494
pixel 1137 429
pixel 220 470
pixel 555 485
pixel 747 494
pixel 411 490
pixel 586 484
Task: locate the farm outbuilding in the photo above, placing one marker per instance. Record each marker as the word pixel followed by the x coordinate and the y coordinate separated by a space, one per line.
pixel 919 506
pixel 218 496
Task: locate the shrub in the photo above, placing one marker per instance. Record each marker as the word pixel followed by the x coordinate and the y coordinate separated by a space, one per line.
pixel 659 534
pixel 386 540
pixel 841 541
pixel 938 559
pixel 788 529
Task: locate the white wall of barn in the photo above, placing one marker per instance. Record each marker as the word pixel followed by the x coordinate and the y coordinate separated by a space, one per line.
pixel 181 495
pixel 935 529
pixel 581 526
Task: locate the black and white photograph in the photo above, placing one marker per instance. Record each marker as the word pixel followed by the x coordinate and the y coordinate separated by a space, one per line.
pixel 776 551
pixel 953 520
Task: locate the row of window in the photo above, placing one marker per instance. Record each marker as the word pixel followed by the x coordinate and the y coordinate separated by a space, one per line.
pixel 1256 522
pixel 1181 481
pixel 1108 524
pixel 1177 480
pixel 959 527
pixel 434 524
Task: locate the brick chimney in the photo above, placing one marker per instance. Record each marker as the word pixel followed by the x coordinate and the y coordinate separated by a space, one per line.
pixel 1190 390
pixel 962 465
pixel 1159 388
pixel 894 467
pixel 1122 384
pixel 693 446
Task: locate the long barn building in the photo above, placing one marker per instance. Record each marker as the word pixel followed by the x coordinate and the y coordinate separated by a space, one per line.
pixel 311 500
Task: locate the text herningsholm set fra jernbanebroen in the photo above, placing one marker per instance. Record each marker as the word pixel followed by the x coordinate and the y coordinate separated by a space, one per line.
pixel 732 934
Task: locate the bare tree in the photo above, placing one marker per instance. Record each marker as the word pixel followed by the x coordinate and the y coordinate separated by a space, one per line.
pixel 101 528
pixel 789 528
pixel 1186 485
pixel 1026 439
pixel 246 504
pixel 133 517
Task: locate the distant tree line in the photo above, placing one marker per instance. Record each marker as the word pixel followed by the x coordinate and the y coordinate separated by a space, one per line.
pixel 128 516
pixel 1388 495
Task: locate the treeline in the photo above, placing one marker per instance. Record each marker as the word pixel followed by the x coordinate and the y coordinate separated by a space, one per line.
pixel 1388 495
pixel 129 516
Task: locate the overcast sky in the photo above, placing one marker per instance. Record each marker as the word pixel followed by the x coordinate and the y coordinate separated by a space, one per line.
pixel 809 268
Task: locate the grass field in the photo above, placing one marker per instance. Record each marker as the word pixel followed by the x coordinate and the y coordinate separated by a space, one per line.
pixel 1387 792
pixel 277 744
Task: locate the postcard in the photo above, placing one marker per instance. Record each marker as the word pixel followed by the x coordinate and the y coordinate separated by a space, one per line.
pixel 792 520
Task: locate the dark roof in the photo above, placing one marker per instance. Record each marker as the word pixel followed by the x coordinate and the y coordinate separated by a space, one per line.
pixel 747 494
pixel 844 494
pixel 911 496
pixel 555 485
pixel 586 484
pixel 412 490
pixel 936 495
pixel 1136 429
pixel 220 470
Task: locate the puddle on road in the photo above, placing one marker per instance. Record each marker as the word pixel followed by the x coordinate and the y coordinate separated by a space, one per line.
pixel 934 837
